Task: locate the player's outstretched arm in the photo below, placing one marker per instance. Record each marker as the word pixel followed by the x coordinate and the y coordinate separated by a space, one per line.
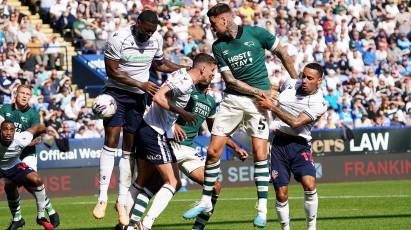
pixel 113 72
pixel 294 122
pixel 239 86
pixel 281 52
pixel 242 153
pixel 162 98
pixel 37 130
pixel 167 66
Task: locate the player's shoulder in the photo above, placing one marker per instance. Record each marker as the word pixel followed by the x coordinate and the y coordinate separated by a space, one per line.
pixel 253 29
pixel 157 36
pixel 6 107
pixel 180 73
pixel 211 100
pixel 31 110
pixel 33 113
pixel 319 99
pixel 121 34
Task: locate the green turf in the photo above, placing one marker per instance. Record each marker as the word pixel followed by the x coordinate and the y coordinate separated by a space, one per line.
pixel 370 205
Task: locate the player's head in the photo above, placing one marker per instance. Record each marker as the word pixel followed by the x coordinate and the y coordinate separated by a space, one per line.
pixel 146 25
pixel 206 64
pixel 23 95
pixel 221 17
pixel 7 132
pixel 311 78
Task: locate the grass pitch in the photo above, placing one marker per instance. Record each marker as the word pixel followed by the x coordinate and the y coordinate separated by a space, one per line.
pixel 367 205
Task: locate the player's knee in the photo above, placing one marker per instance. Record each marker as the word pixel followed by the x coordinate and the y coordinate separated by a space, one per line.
pixel 281 194
pixel 111 139
pixel 309 187
pixel 175 184
pixel 308 183
pixel 213 154
pixel 35 180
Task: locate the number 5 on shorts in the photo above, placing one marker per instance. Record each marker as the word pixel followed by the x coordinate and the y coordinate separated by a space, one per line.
pixel 262 123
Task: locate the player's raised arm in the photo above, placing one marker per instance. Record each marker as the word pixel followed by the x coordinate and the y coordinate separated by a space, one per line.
pixel 239 86
pixel 113 71
pixel 280 50
pixel 167 66
pixel 37 130
pixel 294 122
pixel 162 98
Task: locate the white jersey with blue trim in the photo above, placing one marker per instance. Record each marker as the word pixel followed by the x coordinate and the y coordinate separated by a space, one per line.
pixel 161 120
pixel 289 100
pixel 9 155
pixel 135 58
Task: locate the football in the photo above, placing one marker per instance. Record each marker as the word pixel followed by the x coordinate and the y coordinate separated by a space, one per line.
pixel 104 106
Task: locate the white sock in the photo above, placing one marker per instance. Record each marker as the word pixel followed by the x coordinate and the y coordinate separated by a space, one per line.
pixel 160 202
pixel 124 167
pixel 262 206
pixel 310 207
pixel 205 199
pixel 283 213
pixel 106 168
pixel 39 194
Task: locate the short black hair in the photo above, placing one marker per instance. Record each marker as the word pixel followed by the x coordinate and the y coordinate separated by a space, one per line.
pixel 218 9
pixel 316 66
pixel 7 122
pixel 149 16
pixel 203 58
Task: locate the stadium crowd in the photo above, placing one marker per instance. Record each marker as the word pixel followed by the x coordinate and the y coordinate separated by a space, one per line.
pixel 364 46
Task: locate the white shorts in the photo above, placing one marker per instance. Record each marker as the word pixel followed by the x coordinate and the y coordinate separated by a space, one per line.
pixel 235 109
pixel 187 158
pixel 31 161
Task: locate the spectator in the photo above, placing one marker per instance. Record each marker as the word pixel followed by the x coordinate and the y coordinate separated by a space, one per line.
pixel 37 50
pixel 55 53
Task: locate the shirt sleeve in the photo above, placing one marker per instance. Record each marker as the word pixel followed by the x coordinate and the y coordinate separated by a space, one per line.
pixel 159 55
pixel 23 139
pixel 180 83
pixel 35 119
pixel 113 49
pixel 267 39
pixel 213 108
pixel 316 109
pixel 287 82
pixel 221 63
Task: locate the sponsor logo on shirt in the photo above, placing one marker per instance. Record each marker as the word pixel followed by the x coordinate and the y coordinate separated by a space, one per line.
pixel 249 43
pixel 225 52
pixel 241 60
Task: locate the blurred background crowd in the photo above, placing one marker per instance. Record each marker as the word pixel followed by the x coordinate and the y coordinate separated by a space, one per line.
pixel 364 46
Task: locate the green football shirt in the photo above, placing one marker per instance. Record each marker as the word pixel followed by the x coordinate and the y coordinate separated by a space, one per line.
pixel 23 119
pixel 245 56
pixel 203 106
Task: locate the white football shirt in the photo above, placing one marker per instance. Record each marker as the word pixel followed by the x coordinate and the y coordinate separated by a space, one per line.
pixel 9 156
pixel 289 100
pixel 161 120
pixel 135 58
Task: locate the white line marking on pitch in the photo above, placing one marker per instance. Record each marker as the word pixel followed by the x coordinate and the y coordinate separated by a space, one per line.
pixel 291 198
